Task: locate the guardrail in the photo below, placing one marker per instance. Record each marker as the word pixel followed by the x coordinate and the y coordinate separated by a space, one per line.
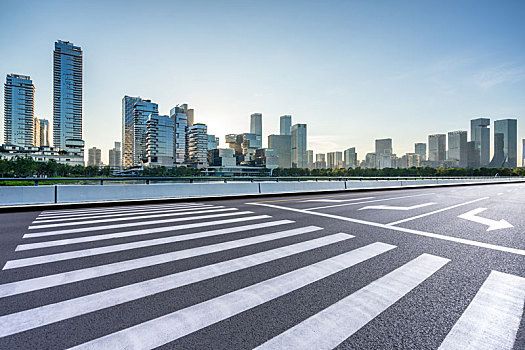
pixel 200 179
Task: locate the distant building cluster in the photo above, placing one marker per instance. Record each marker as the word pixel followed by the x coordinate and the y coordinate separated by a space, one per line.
pixel 174 140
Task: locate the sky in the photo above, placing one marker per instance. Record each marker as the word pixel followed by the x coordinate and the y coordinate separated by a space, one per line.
pixel 353 71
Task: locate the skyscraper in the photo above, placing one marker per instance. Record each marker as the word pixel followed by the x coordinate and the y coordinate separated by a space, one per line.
pixel 115 156
pixel 94 157
pixel 67 97
pixel 135 113
pixel 350 160
pixel 320 161
pixel 383 147
pixel 473 158
pixel 480 134
pixel 523 154
pixel 437 147
pixel 509 129
pixel 285 124
pixel 159 148
pixel 181 131
pixel 43 132
pixel 310 159
pixel 256 124
pixel 197 145
pixel 334 160
pixel 457 147
pixel 299 158
pixel 282 144
pixel 421 149
pixel 19 101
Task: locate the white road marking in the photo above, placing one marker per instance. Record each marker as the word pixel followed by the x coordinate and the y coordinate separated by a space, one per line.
pixel 437 211
pixel 136 217
pixel 499 194
pixel 43 259
pixel 48 281
pixel 492 319
pixel 331 326
pixel 370 201
pixel 127 213
pixel 402 229
pixel 131 224
pixel 183 237
pixel 338 200
pixel 492 224
pixel 48 214
pixel 394 207
pixel 170 327
pixel 47 314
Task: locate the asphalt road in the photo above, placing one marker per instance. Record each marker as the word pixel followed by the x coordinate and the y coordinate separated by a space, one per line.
pixel 406 269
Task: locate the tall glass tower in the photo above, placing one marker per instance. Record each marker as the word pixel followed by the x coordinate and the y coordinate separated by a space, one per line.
pixel 509 129
pixel 299 158
pixel 19 100
pixel 480 134
pixel 67 97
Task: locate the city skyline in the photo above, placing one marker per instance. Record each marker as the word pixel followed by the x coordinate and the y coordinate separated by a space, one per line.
pixel 346 102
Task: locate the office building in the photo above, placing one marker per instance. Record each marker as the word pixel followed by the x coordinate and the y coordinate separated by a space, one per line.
pixel 437 147
pixel 310 159
pixel 421 149
pixel 67 98
pixel 115 156
pixel 383 147
pixel 213 142
pixel 299 159
pixel 190 113
pixel 94 157
pixel 197 147
pixel 285 125
pixel 509 129
pixel 370 160
pixel 523 154
pixel 266 158
pixel 334 160
pixel 473 155
pixel 42 133
pixel 457 148
pixel 159 149
pixel 221 157
pixel 179 113
pixel 19 101
pixel 320 161
pixel 350 158
pixel 135 113
pixel 282 145
pixel 499 157
pixel 480 134
pixel 256 124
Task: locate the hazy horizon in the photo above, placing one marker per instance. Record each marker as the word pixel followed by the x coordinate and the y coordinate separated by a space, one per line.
pixel 353 71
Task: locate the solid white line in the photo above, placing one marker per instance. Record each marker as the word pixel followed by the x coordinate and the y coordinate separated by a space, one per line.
pixel 132 224
pixel 338 200
pixel 126 213
pixel 137 217
pixel 492 319
pixel 170 327
pixel 396 207
pixel 371 201
pixel 62 242
pixel 101 250
pixel 120 208
pixel 44 315
pixel 331 326
pixel 402 229
pixel 437 211
pixel 48 281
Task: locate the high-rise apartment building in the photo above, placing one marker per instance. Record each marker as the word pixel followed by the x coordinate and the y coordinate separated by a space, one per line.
pixel 299 159
pixel 437 147
pixel 383 147
pixel 190 113
pixel 310 159
pixel 457 147
pixel 334 160
pixel 509 129
pixel 94 157
pixel 480 134
pixel 115 156
pixel 285 125
pixel 320 161
pixel 159 141
pixel 181 130
pixel 135 113
pixel 197 146
pixel 256 124
pixel 350 158
pixel 19 101
pixel 67 98
pixel 282 144
pixel 421 149
pixel 43 132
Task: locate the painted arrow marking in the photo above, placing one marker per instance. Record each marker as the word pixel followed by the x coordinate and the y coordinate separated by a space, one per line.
pixel 492 224
pixel 393 207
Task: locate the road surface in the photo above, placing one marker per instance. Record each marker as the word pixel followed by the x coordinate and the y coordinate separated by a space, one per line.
pixel 436 268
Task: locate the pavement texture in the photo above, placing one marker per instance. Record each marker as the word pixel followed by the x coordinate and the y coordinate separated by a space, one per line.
pixel 434 268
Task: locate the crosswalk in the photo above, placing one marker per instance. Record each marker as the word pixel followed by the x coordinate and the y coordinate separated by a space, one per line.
pixel 154 249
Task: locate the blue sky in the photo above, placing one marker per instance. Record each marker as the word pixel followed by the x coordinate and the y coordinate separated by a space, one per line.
pixel 353 71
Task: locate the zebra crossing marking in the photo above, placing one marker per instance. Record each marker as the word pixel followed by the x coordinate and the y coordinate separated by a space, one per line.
pixel 172 326
pixel 47 214
pixel 333 325
pixel 47 314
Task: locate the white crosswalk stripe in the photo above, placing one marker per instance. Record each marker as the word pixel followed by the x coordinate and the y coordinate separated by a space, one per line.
pixel 492 319
pixel 66 213
pixel 333 325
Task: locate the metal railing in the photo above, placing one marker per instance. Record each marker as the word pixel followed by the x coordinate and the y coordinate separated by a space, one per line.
pixel 203 179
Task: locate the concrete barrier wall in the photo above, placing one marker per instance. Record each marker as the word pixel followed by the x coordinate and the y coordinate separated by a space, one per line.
pixel 304 186
pixel 17 195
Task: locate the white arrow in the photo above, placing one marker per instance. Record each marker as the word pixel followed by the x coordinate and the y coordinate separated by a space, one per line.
pixel 492 224
pixel 392 207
